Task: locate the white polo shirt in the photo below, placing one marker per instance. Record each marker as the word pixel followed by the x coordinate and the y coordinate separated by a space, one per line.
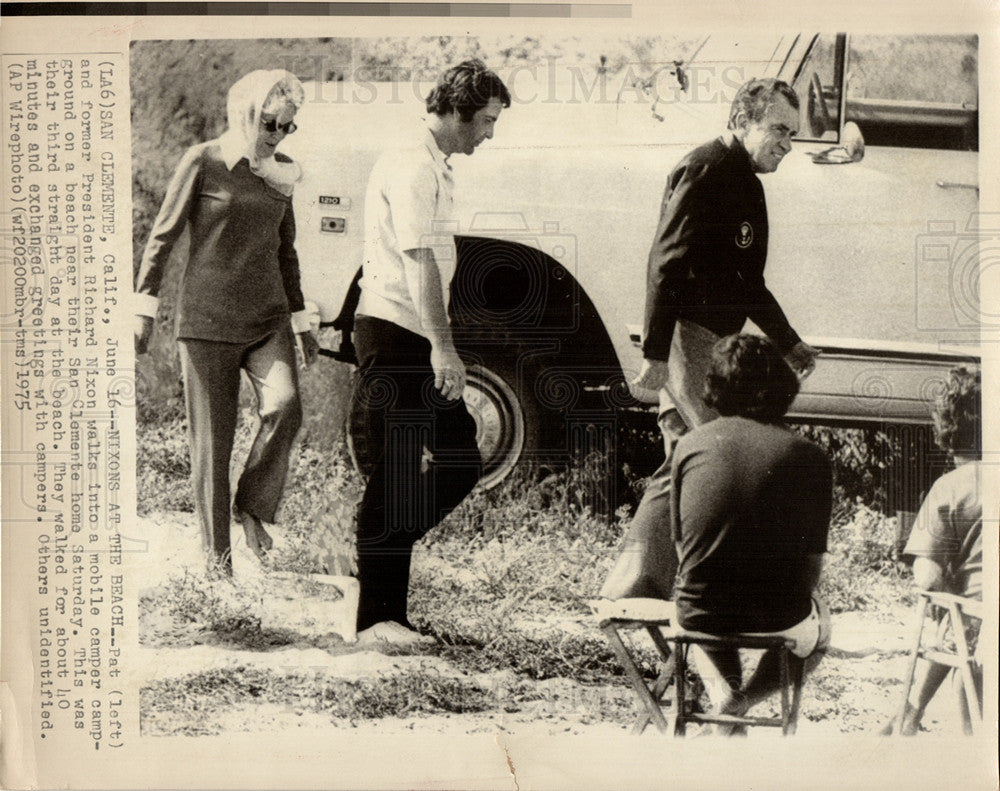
pixel 408 205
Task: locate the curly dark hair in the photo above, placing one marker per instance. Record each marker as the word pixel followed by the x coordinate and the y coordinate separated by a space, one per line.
pixel 748 377
pixel 755 96
pixel 467 87
pixel 957 413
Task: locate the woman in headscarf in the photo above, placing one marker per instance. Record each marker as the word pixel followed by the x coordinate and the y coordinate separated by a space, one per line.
pixel 239 306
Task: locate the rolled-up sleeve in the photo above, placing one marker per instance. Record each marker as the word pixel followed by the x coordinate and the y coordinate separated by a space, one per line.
pixel 170 222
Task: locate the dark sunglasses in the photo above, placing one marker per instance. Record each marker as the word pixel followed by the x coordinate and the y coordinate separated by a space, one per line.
pixel 273 126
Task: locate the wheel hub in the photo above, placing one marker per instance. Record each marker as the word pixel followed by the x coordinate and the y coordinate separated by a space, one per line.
pixel 499 423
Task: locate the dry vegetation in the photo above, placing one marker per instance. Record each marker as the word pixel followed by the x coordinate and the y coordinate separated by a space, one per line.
pixel 502 585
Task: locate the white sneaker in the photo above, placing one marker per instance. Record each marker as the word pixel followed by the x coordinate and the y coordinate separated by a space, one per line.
pixel 392 632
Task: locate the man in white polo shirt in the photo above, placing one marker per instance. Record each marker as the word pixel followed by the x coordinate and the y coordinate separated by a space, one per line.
pixel 407 406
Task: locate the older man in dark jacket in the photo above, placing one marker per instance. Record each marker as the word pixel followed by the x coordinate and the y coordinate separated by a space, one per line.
pixel 705 279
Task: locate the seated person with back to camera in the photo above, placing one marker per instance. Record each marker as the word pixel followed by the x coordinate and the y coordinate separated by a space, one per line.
pixel 750 510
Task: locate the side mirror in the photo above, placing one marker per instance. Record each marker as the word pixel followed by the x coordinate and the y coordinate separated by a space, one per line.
pixel 853 141
pixel 851 148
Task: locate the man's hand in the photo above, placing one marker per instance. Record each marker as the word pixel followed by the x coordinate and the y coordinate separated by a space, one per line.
pixel 143 329
pixel 309 347
pixel 449 372
pixel 802 358
pixel 653 375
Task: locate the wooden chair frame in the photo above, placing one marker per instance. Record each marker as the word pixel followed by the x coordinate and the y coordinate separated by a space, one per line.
pixel 958 613
pixel 674 668
pixel 791 680
pixel 650 697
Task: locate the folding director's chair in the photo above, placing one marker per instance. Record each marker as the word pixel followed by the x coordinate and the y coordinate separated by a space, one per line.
pixel 792 672
pixel 653 616
pixel 658 618
pixel 959 617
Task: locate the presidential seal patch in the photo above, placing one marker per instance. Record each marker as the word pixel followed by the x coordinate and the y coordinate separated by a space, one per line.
pixel 744 236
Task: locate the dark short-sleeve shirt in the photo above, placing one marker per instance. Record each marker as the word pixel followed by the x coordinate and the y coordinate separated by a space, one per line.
pixel 949 530
pixel 706 263
pixel 241 280
pixel 750 502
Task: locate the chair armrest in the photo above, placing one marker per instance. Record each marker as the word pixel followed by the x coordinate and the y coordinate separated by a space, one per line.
pixel 971 607
pixel 659 611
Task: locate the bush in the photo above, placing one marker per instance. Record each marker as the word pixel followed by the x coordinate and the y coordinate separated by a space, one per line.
pixel 318 513
pixel 163 467
pixel 192 608
pixel 859 458
pixel 861 571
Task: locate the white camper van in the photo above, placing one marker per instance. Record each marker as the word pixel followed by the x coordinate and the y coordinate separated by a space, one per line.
pixel 874 230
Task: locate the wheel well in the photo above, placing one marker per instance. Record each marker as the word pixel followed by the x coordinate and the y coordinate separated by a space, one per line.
pixel 516 299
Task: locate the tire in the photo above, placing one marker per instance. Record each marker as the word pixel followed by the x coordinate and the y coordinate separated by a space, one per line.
pixel 540 410
pixel 500 422
pixel 505 424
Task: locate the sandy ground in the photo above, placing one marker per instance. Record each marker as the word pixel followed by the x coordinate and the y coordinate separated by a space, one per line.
pixel 866 660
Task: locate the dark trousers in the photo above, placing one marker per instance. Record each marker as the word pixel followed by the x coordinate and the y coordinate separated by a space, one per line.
pixel 422 455
pixel 211 371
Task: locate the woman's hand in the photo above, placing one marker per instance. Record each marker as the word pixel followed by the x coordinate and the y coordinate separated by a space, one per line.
pixel 309 347
pixel 143 328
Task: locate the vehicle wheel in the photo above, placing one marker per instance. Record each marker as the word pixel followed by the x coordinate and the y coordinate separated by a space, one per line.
pixel 501 426
pixel 500 422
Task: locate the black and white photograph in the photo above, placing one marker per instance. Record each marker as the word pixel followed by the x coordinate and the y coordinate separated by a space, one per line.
pixel 504 385
pixel 521 260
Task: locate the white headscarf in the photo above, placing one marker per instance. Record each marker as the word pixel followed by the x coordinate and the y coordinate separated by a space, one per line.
pixel 244 105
